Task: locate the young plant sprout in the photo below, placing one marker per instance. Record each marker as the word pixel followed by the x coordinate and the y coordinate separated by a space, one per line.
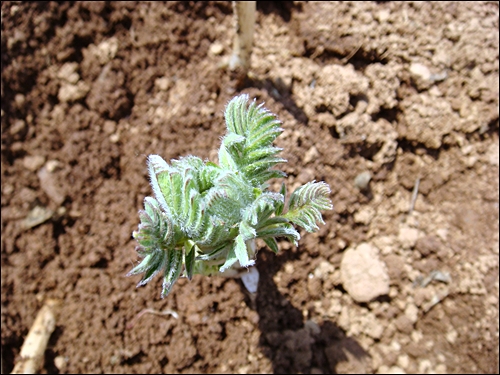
pixel 204 218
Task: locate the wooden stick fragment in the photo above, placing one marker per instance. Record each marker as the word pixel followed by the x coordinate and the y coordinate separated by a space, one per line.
pixel 244 12
pixel 33 349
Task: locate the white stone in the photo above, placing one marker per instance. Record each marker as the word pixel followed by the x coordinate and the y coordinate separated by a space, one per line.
pixel 32 163
pixel 421 75
pixel 365 215
pixel 364 276
pixel 408 237
pixel 416 336
pixel 323 270
pixel 51 186
pixel 52 165
pixel 106 50
pixel 216 48
pixel 114 138
pixel 68 73
pixel 441 368
pixel 344 320
pixel 375 329
pixel 395 370
pixel 451 336
pixel 163 83
pixel 383 15
pixel 69 92
pixel 311 155
pixel 61 362
pixel 424 366
pixel 411 312
pixel 492 155
pixel 362 180
pixel 442 233
pixel 403 361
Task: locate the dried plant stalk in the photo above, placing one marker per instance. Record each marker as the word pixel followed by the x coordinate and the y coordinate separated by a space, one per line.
pixel 244 12
pixel 33 349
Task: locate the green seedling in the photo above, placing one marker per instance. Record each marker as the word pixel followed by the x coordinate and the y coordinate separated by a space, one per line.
pixel 204 218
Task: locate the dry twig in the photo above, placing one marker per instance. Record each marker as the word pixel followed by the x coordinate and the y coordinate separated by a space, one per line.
pixel 33 349
pixel 154 312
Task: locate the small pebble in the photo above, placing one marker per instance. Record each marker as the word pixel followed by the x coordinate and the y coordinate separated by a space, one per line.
pixel 37 215
pixel 362 180
pixel 216 48
pixel 60 362
pixel 114 138
pixel 32 163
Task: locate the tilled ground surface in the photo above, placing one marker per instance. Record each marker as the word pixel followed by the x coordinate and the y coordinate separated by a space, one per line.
pixel 405 91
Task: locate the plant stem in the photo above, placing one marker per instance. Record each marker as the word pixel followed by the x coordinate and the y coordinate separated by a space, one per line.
pixel 236 270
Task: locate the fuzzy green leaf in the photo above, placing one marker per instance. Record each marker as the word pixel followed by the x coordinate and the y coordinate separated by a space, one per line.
pixel 280 230
pixel 172 271
pixel 150 265
pixel 273 245
pixel 241 252
pixel 305 205
pixel 157 165
pixel 230 260
pixel 262 207
pixel 189 256
pixel 253 129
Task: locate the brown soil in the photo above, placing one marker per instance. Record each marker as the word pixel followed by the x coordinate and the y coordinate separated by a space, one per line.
pixel 89 89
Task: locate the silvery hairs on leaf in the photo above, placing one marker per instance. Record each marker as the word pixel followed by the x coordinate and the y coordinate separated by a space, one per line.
pixel 204 218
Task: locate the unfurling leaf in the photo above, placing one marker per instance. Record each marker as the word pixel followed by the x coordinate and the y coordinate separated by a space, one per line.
pixel 305 205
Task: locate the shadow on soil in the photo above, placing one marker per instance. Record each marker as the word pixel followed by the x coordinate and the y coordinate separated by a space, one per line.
pixel 295 344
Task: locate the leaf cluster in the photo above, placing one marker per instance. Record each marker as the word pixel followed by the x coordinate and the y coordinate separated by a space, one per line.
pixel 204 217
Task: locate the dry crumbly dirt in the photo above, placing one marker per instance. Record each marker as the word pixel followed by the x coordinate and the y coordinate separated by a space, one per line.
pixel 406 91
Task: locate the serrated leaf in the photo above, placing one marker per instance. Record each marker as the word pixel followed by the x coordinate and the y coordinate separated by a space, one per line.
pixel 240 250
pixel 155 230
pixel 272 222
pixel 189 256
pixel 235 115
pixel 230 259
pixel 280 230
pixel 157 165
pixel 246 231
pixel 305 205
pixel 226 159
pixel 272 244
pixel 262 207
pixel 213 235
pixel 280 205
pixel 221 206
pixel 173 270
pixel 151 265
pixel 259 179
pixel 263 152
pixel 259 128
pixel 207 176
pixel 188 162
pixel 233 139
pixel 218 253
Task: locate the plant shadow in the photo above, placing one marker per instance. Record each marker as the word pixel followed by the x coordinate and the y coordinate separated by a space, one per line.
pixel 293 343
pixel 276 89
